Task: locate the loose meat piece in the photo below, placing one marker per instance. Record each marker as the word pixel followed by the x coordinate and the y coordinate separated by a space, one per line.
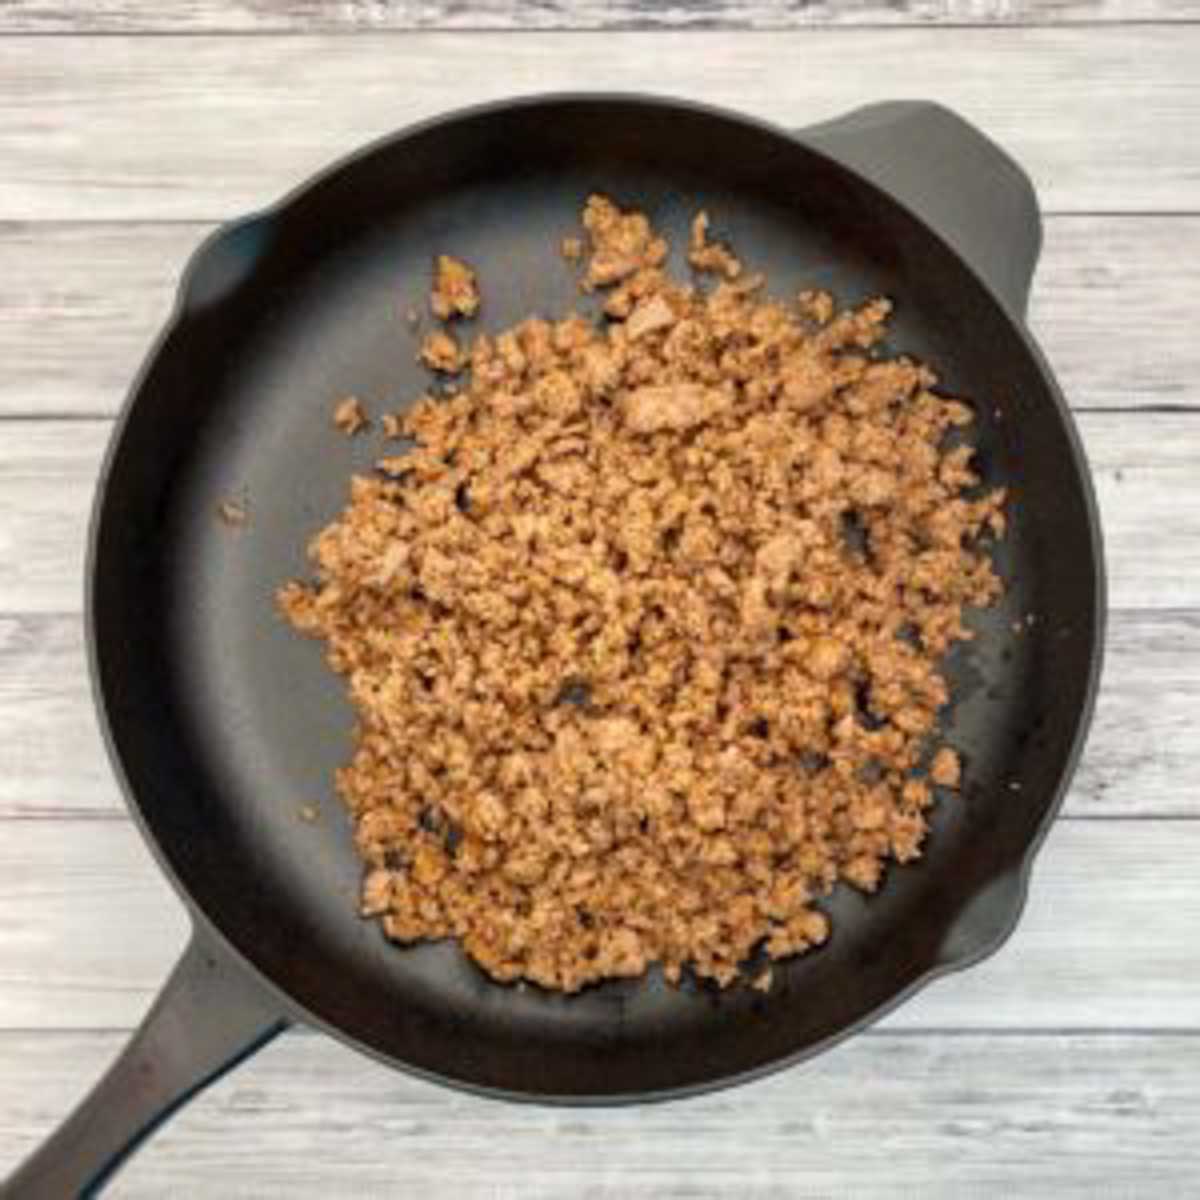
pixel 816 305
pixel 349 416
pixel 232 513
pixel 440 352
pixel 945 770
pixel 622 243
pixel 711 256
pixel 762 982
pixel 645 634
pixel 455 288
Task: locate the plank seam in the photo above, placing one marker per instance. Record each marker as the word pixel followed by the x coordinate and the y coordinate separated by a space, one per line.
pixel 699 27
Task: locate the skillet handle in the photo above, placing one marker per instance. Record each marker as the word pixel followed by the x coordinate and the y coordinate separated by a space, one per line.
pixel 208 1017
pixel 959 182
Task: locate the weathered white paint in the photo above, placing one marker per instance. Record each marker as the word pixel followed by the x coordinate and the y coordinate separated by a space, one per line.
pixel 205 127
pixel 885 1115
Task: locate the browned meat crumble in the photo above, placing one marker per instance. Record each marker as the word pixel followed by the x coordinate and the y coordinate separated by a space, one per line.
pixel 711 256
pixel 455 288
pixel 349 416
pixel 644 636
pixel 441 352
pixel 232 513
pixel 945 769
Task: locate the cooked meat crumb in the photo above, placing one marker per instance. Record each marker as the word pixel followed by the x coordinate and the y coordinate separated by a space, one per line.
pixel 678 406
pixel 392 425
pixel 817 306
pixel 626 691
pixel 571 248
pixel 440 352
pixel 762 982
pixel 349 416
pixel 711 256
pixel 455 288
pixel 623 244
pixel 232 513
pixel 945 770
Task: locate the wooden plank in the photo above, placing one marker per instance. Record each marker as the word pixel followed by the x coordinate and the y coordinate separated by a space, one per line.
pixel 48 473
pixel 1144 470
pixel 1096 278
pixel 333 16
pixel 80 304
pixel 69 891
pixel 1140 753
pixel 1104 118
pixel 1140 758
pixel 1107 941
pixel 45 706
pixel 881 1116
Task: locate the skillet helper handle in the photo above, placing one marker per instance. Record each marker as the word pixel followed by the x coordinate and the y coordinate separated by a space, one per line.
pixel 208 1017
pixel 959 182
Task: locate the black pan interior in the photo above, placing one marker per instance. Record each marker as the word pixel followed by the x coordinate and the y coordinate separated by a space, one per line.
pixel 225 724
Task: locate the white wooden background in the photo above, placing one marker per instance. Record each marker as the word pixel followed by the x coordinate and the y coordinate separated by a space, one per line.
pixel 1069 1064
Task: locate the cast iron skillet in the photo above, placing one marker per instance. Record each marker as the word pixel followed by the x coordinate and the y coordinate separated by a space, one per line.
pixel 222 722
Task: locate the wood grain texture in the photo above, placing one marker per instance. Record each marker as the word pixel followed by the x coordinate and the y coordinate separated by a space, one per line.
pixel 80 306
pixel 1100 282
pixel 1140 759
pixel 81 303
pixel 1144 471
pixel 48 473
pixel 350 16
pixel 45 705
pixel 204 127
pixel 1141 750
pixel 881 1116
pixel 1107 941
